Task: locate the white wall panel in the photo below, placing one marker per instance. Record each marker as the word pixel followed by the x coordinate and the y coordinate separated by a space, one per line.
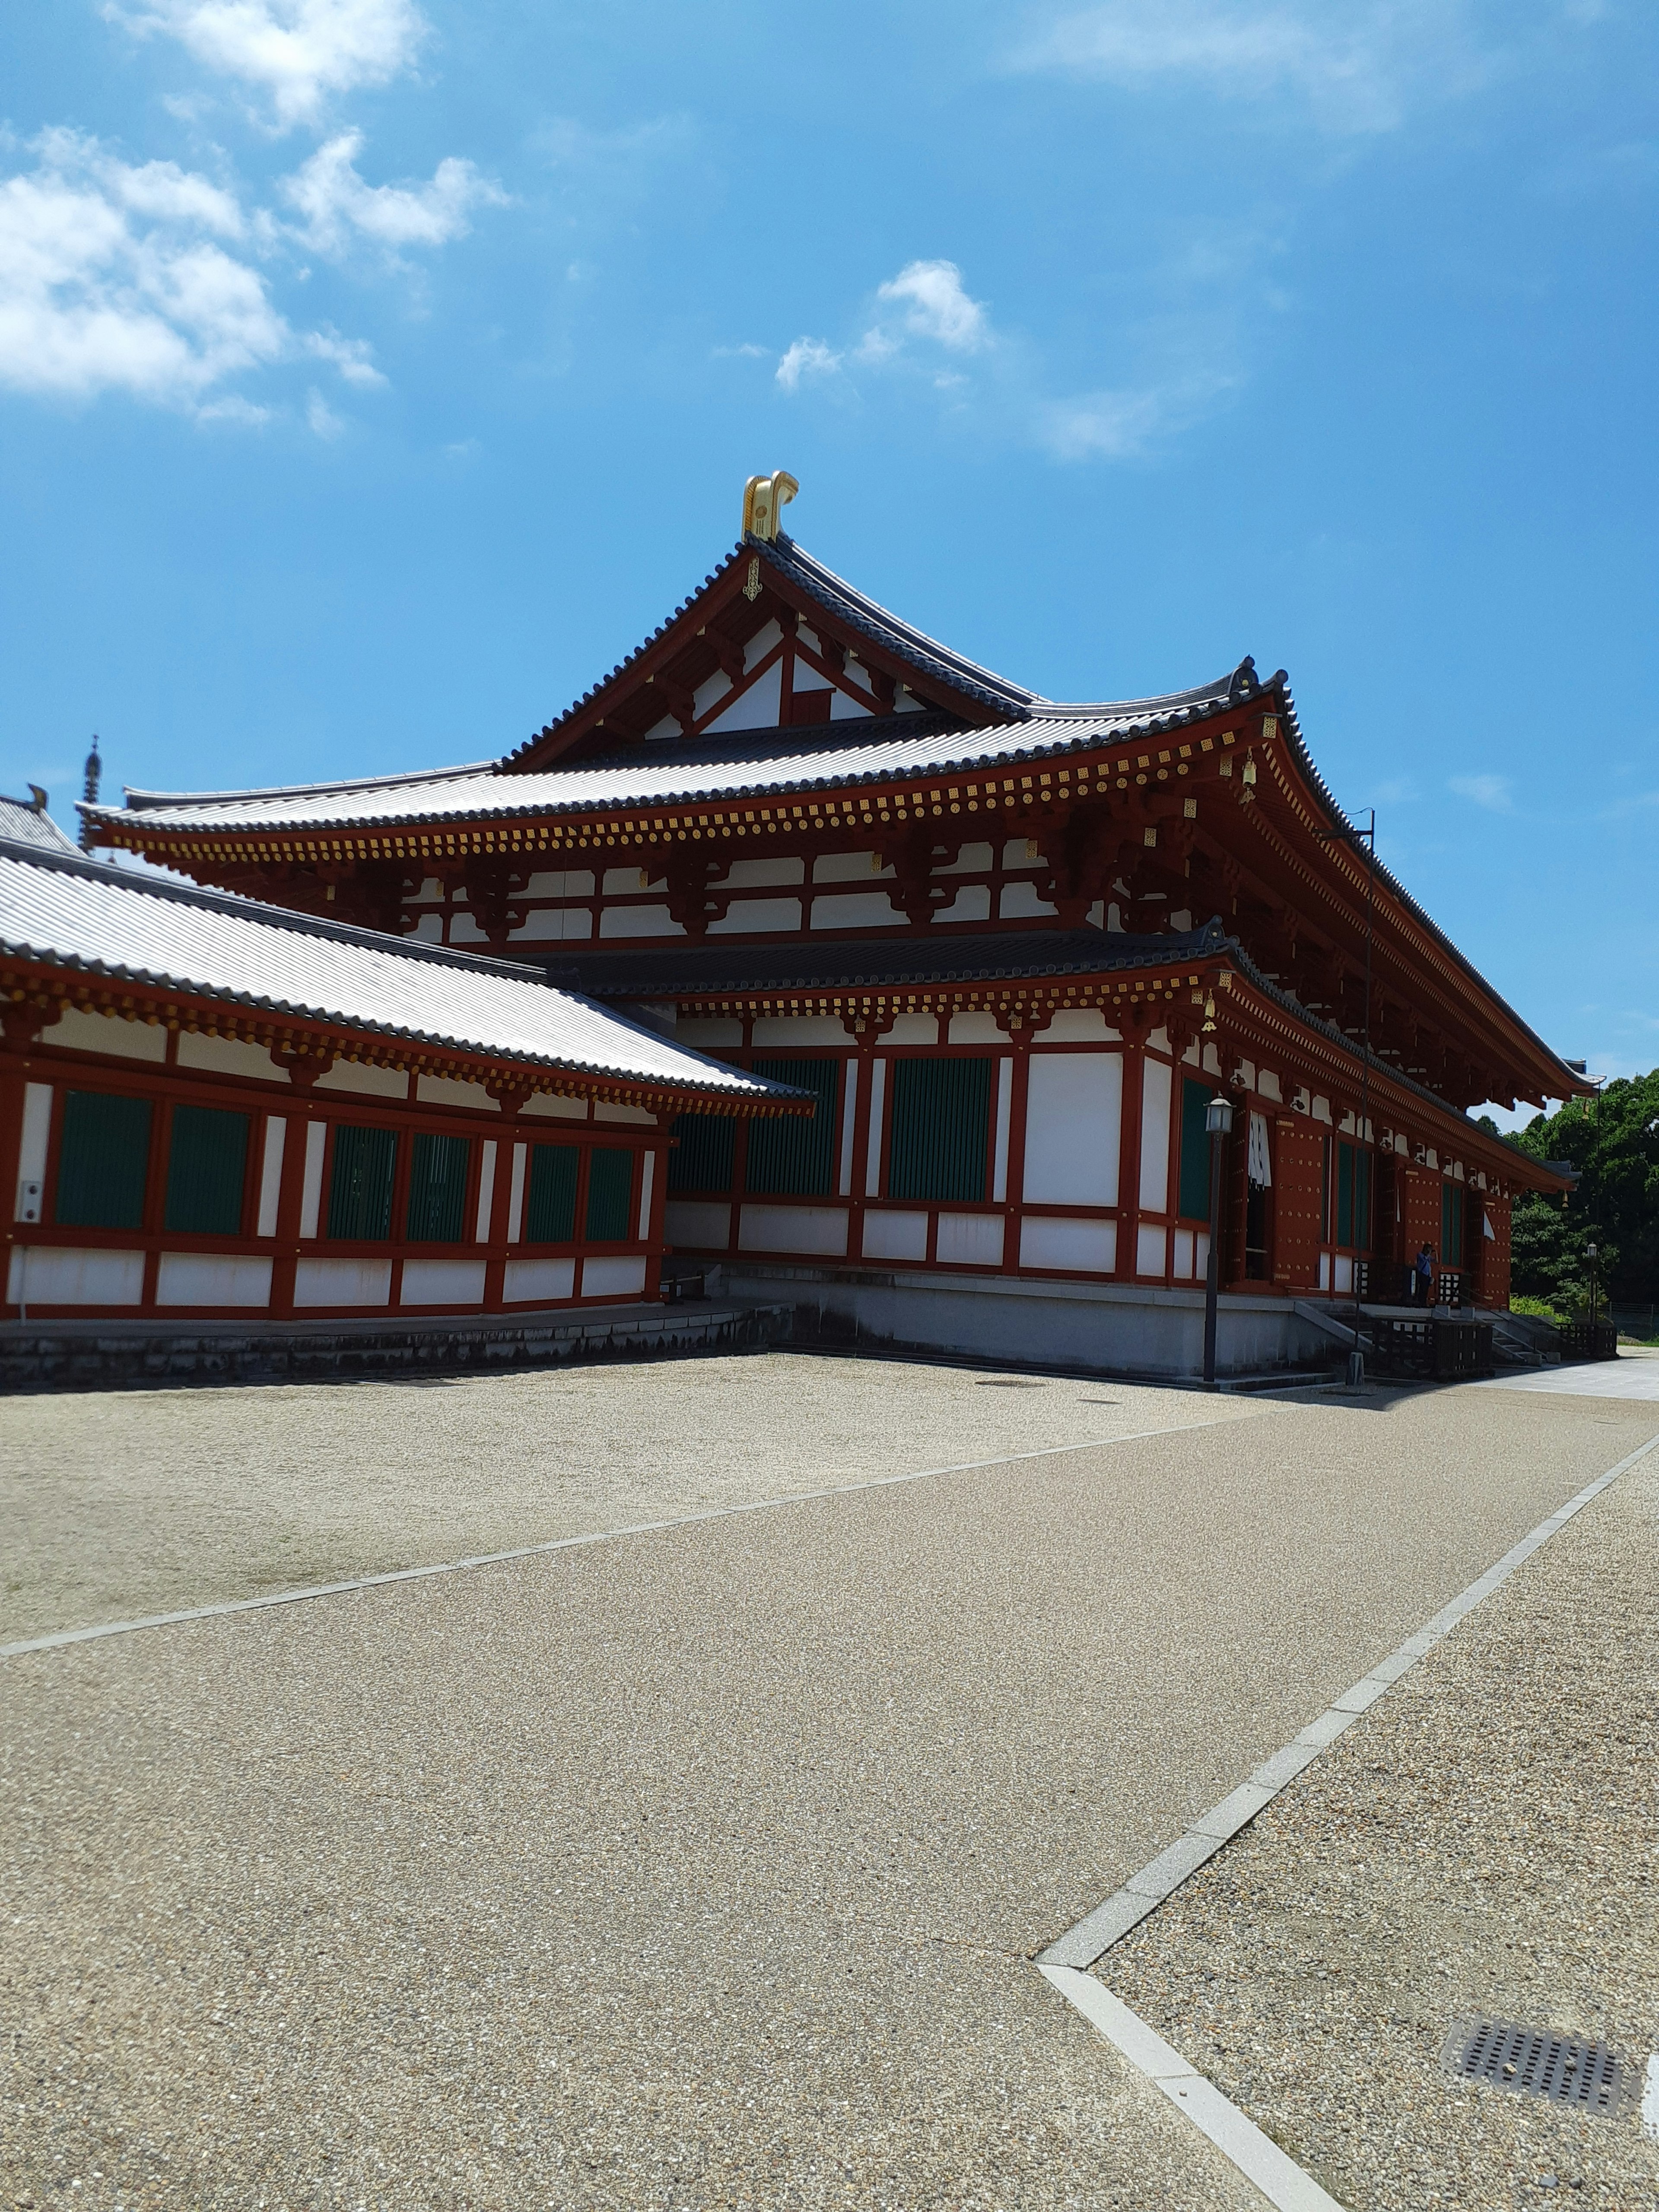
pixel 442 1282
pixel 872 1158
pixel 270 1174
pixel 229 1056
pixel 792 1229
pixel 60 1277
pixel 855 910
pixel 542 1281
pixel 1005 1082
pixel 209 1278
pixel 699 1223
pixel 1150 1248
pixel 370 1082
pixel 1155 1138
pixel 788 1030
pixel 486 1192
pixel 311 1190
pixel 106 1033
pixel 451 1090
pixel 647 1176
pixel 1077 1247
pixel 896 1236
pixel 515 1196
pixel 850 1123
pixel 969 1240
pixel 37 1137
pixel 744 917
pixel 553 1108
pixel 618 1277
pixel 1073 1122
pixel 343 1283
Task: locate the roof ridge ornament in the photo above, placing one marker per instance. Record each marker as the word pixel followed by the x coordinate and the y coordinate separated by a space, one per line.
pixel 764 499
pixel 1243 680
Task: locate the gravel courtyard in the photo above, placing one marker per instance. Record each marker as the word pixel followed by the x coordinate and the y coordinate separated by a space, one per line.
pixel 701 1866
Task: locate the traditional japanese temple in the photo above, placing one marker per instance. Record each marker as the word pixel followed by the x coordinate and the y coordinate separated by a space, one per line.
pixel 1010 947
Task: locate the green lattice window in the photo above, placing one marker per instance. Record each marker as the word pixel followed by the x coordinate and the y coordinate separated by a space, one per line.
pixel 1451 1224
pixel 103 1159
pixel 1353 1197
pixel 940 1129
pixel 1194 1178
pixel 438 1169
pixel 791 1156
pixel 207 1170
pixel 702 1154
pixel 360 1188
pixel 609 1195
pixel 551 1201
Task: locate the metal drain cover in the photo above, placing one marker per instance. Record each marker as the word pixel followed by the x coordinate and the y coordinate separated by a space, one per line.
pixel 1568 2068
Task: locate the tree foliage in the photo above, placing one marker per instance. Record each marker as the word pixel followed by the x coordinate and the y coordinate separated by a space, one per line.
pixel 1613 1143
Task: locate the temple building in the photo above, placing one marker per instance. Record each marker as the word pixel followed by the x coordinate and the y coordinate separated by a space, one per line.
pixel 213 1108
pixel 1010 946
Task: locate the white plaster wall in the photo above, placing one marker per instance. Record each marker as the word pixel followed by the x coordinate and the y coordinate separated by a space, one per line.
pixel 270 1175
pixel 638 921
pixel 760 706
pixel 1074 1026
pixel 820 1229
pixel 697 1221
pixel 37 1138
pixel 749 874
pixel 369 1082
pixel 1073 1125
pixel 848 868
pixel 744 916
pixel 486 1192
pixel 343 1283
pixel 562 925
pixel 1150 1250
pixel 442 1282
pixel 560 882
pixel 311 1189
pixel 975 1029
pixel 1077 1247
pixel 206 1279
pixel 707 1030
pixel 552 1107
pixel 896 1236
pixel 855 910
pixel 969 1240
pixel 229 1056
pixel 1155 1138
pixel 107 1033
pixel 603 1111
pixel 914 1029
pixel 615 1277
pixel 788 1030
pixel 971 903
pixel 61 1277
pixel 1019 901
pixel 450 1090
pixel 539 1281
pixel 971 861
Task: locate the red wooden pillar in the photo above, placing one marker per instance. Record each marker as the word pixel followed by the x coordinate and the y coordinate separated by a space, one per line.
pixel 512 1102
pixel 1134 1026
pixel 303 1114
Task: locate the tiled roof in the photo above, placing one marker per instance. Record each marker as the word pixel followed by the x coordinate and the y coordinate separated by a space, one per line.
pixel 59 909
pixel 897 747
pixel 24 823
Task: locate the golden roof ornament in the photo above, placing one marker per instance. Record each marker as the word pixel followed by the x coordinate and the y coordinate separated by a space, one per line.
pixel 764 499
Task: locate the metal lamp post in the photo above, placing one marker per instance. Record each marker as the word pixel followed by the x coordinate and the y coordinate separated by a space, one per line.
pixel 1218 1120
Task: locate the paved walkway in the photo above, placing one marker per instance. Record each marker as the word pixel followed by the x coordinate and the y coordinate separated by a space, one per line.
pixel 704 1869
pixel 1633 1375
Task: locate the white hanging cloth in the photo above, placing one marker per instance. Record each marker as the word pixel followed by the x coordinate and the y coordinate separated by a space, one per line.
pixel 1260 1164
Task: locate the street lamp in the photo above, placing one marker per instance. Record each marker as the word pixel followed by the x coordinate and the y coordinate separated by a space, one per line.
pixel 1218 1120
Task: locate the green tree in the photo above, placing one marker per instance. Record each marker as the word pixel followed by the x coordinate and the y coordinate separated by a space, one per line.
pixel 1613 1143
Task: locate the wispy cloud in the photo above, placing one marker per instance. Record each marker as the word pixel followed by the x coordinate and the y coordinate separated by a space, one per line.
pixel 140 279
pixel 805 359
pixel 1492 792
pixel 336 205
pixel 1115 426
pixel 1356 69
pixel 294 52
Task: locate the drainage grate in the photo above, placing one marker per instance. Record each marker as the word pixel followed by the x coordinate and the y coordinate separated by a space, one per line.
pixel 1567 2068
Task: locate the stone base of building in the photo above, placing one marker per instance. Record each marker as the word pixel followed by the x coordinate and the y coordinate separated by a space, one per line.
pixel 1106 1328
pixel 98 1354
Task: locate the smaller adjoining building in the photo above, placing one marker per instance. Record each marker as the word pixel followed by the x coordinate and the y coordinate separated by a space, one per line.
pixel 214 1108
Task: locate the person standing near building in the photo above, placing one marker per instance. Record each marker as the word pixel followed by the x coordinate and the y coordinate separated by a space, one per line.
pixel 1422 1269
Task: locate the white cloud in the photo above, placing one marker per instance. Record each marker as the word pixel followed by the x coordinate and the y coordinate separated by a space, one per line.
pixel 937 307
pixel 118 279
pixel 295 50
pixel 1116 426
pixel 807 357
pixel 1355 67
pixel 1489 791
pixel 320 418
pixel 335 202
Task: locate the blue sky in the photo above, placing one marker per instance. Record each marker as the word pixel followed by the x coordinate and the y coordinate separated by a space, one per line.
pixel 373 374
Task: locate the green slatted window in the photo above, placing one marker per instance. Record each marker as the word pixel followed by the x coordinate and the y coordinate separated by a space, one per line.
pixel 437 1188
pixel 609 1195
pixel 1194 1152
pixel 360 1189
pixel 103 1158
pixel 207 1167
pixel 550 1210
pixel 1353 1197
pixel 941 1129
pixel 701 1158
pixel 1451 1224
pixel 792 1157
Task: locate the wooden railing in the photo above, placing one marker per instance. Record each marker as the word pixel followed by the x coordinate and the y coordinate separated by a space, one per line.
pixel 1589 1340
